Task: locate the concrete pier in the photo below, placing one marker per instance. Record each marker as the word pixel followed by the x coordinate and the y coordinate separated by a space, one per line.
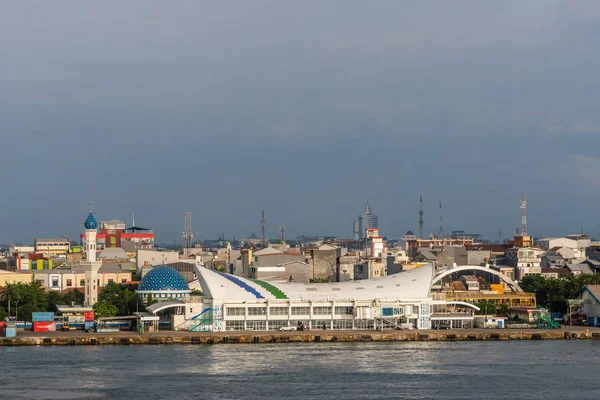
pixel 173 337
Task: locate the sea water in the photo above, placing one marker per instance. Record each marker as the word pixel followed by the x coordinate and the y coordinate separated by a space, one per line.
pixel 390 370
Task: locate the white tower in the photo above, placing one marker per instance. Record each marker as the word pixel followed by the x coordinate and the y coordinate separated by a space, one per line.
pixel 91 265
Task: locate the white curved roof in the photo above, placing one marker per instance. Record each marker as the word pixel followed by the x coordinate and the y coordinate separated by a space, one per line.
pixel 410 285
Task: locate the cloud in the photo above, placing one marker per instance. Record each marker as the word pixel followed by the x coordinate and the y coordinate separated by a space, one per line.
pixel 585 169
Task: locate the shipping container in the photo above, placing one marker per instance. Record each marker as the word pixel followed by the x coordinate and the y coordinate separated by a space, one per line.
pixel 44 327
pixel 89 316
pixel 42 317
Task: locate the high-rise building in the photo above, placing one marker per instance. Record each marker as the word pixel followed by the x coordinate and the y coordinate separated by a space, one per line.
pixel 364 221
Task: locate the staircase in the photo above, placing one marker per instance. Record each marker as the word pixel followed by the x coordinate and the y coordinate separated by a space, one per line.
pixel 242 284
pixel 544 321
pixel 203 321
pixel 389 323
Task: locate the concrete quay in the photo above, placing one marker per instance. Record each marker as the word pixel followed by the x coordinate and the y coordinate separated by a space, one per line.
pixel 331 336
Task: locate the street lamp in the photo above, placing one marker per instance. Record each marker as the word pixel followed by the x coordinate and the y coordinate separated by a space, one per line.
pixel 16 310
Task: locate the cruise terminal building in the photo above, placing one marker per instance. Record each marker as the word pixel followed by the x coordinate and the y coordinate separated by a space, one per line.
pixel 234 303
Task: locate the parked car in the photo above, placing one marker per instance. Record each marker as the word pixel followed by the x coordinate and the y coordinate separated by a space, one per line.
pixel 443 325
pixel 288 328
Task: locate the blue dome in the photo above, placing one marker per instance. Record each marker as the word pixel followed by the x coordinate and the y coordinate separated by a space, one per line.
pixel 90 222
pixel 163 278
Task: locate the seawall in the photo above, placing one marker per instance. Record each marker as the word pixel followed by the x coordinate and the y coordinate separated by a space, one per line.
pixel 130 338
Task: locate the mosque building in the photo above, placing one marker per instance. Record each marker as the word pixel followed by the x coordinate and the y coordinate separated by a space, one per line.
pixel 163 283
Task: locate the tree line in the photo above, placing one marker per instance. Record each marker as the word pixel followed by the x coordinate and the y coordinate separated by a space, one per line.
pixel 553 293
pixel 23 299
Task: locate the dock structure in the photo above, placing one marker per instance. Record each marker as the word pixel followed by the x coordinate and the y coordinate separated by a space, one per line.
pixel 130 338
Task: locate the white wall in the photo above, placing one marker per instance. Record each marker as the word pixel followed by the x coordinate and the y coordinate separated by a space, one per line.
pixel 153 257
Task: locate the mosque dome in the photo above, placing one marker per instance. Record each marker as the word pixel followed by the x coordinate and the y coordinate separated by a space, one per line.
pixel 163 279
pixel 90 222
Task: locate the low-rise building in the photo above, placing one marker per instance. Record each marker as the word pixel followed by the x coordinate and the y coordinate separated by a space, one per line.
pixel 11 277
pixel 52 247
pixel 471 282
pixel 489 321
pixel 293 271
pixel 526 260
pixel 549 261
pixel 580 269
pixel 591 300
pixel 555 273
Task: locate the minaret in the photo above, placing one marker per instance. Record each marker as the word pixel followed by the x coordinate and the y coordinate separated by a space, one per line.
pixel 90 264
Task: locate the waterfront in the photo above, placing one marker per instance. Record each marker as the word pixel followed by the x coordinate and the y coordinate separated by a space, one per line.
pixel 411 370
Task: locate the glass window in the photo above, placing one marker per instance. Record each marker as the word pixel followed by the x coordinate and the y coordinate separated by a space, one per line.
pixel 300 310
pixel 110 280
pixel 230 311
pixel 69 282
pixel 276 325
pixel 235 325
pixel 320 323
pixel 54 282
pixel 344 310
pixel 82 282
pixel 256 325
pixel 278 311
pixel 322 310
pixel 342 324
pixel 257 311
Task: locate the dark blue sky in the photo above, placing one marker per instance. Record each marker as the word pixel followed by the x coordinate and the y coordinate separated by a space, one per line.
pixel 303 109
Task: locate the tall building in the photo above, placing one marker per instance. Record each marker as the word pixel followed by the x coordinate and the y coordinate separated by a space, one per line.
pixel 365 221
pixel 90 264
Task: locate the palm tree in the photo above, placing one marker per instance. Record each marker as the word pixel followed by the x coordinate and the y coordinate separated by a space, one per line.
pixel 9 295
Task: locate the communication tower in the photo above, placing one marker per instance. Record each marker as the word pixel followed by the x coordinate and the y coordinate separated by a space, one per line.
pixel 281 230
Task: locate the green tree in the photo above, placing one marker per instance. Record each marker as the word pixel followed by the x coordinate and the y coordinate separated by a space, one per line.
pixel 72 296
pixel 502 309
pixel 150 300
pixel 486 307
pixel 54 299
pixel 104 309
pixel 3 314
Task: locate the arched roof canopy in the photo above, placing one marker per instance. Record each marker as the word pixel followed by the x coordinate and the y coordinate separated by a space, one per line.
pixel 163 305
pixel 514 285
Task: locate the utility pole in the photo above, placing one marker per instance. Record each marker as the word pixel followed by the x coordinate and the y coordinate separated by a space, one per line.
pixel 421 218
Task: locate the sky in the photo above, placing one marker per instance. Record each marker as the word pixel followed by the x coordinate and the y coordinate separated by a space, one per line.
pixel 304 109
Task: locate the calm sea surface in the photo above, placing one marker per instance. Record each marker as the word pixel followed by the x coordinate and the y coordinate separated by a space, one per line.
pixel 426 370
